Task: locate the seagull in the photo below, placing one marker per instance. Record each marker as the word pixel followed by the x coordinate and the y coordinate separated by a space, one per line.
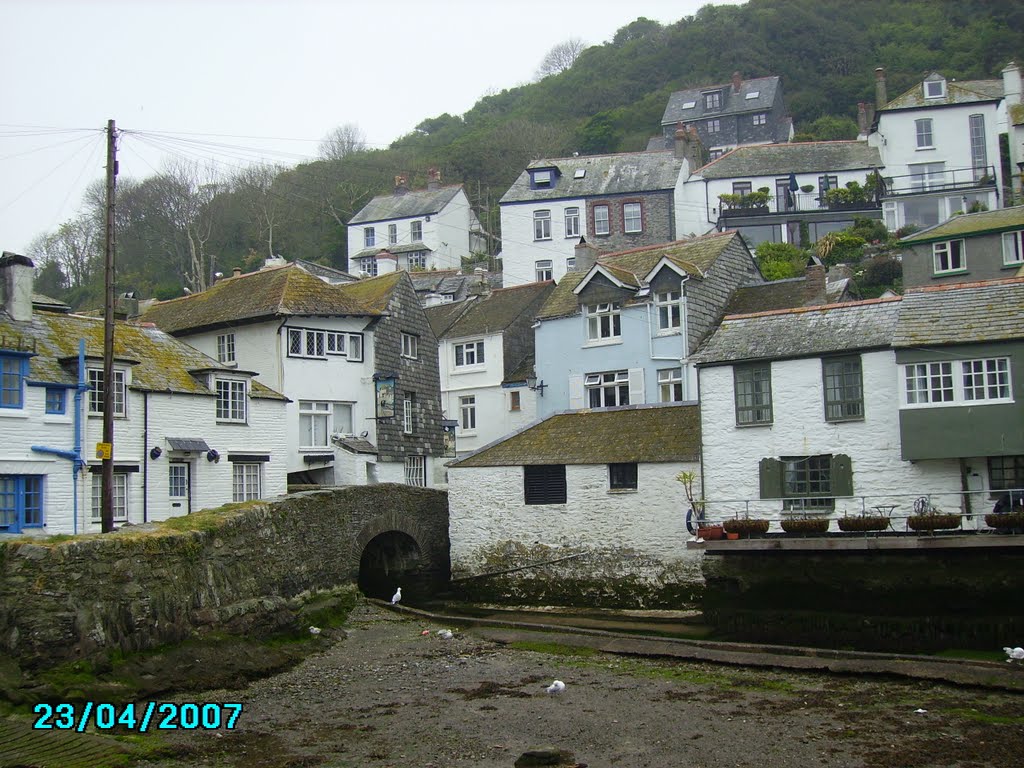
pixel 395 598
pixel 315 630
pixel 1014 654
pixel 556 687
pixel 445 633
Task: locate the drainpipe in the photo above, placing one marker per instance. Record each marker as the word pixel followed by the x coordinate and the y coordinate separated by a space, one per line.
pixel 145 457
pixel 74 456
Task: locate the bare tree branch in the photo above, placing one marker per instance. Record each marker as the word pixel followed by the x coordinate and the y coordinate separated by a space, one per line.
pixel 342 141
pixel 561 57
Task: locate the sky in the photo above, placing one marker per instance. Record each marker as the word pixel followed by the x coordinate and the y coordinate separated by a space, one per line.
pixel 234 82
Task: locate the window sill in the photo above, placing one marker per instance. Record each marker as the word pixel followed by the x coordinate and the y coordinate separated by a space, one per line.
pixel 621 491
pixel 670 332
pixel 923 149
pixel 542 239
pixel 755 424
pixel 469 369
pixel 56 418
pixel 854 419
pixel 13 413
pixel 949 272
pixel 603 342
pixel 1014 266
pixel 232 422
pixel 632 231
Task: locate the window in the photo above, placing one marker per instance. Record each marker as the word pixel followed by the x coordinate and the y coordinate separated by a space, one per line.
pixel 632 218
pixel 542 179
pixel 604 321
pixel 343 419
pixel 949 256
pixel 544 484
pixel 96 394
pixel 572 222
pixel 1013 248
pixel 979 150
pixel 760 118
pixel 21 502
pixel 826 183
pixel 542 225
pixel 416 471
pixel 1005 473
pixel 230 400
pixel 246 481
pixel 177 480
pixel 368 264
pixel 741 188
pixel 986 379
pixel 417 260
pixel 667 304
pixel 119 494
pixel 809 478
pixel 713 100
pixel 13 371
pixel 469 353
pixel 925 176
pixel 844 393
pixel 407 415
pixel 226 348
pixel 410 345
pixel 602 226
pixel 416 231
pixel 570 264
pixel 369 237
pixel 934 89
pixel 542 270
pixel 928 383
pixel 670 385
pixel 355 347
pixel 307 342
pixel 607 390
pixel 924 133
pixel 467 412
pixel 56 400
pixel 753 394
pixel 392 234
pixel 714 126
pixel 314 424
pixel 622 477
pixel 335 343
pixel 515 400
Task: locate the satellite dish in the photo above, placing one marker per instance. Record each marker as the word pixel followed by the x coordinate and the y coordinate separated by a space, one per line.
pixel 364 433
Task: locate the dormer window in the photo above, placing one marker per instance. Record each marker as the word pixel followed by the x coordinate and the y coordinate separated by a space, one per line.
pixel 689 105
pixel 752 95
pixel 713 100
pixel 935 89
pixel 542 179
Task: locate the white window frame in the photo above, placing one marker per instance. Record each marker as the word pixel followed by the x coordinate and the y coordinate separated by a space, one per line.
pixel 342 423
pixel 949 256
pixel 407 416
pixel 416 260
pixel 940 92
pixel 542 179
pixel 602 222
pixel 416 231
pixel 416 471
pixel 669 311
pixel 542 270
pixel 542 224
pixel 246 481
pixel 119 493
pixel 467 413
pixel 979 381
pixel 611 387
pixel 924 128
pixel 369 237
pixel 310 343
pixel 572 221
pixel 714 126
pixel 469 354
pixel 120 399
pixel 335 342
pixel 226 348
pixel 670 384
pixel 632 217
pixel 355 348
pixel 604 322
pixel 713 100
pixel 392 234
pixel 1013 248
pixel 368 264
pixel 410 346
pixel 177 480
pixel 315 424
pixel 760 118
pixel 232 400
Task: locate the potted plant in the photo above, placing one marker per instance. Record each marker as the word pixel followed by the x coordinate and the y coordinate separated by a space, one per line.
pixel 928 517
pixel 807 188
pixel 746 526
pixel 695 522
pixel 863 523
pixel 1006 521
pixel 805 525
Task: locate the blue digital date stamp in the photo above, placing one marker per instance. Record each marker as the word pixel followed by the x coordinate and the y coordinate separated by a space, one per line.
pixel 141 717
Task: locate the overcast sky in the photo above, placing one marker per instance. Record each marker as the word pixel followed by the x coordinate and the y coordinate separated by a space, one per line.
pixel 240 81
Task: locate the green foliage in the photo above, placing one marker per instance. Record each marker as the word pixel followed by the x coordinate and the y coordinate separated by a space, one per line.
pixel 748 200
pixel 828 128
pixel 779 261
pixel 841 247
pixel 882 271
pixel 871 230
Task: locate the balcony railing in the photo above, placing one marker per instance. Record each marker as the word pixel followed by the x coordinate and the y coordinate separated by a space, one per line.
pixel 794 204
pixel 955 179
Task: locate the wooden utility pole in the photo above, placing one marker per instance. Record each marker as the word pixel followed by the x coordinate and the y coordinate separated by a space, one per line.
pixel 107 453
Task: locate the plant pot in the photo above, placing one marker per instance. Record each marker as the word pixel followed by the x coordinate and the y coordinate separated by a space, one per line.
pixel 865 523
pixel 732 536
pixel 710 532
pixel 933 522
pixel 806 525
pixel 1005 521
pixel 746 526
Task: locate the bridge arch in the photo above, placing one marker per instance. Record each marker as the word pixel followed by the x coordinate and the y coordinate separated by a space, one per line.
pixel 393 550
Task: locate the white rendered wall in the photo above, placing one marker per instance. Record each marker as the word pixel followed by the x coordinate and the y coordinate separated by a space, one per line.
pixel 731 453
pixel 520 252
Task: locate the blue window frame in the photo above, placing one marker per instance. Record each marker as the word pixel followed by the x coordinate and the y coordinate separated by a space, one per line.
pixel 13 370
pixel 21 502
pixel 56 400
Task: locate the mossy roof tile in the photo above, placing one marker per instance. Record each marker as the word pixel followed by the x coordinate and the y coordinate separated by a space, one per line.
pixel 496 311
pixel 983 312
pixel 967 224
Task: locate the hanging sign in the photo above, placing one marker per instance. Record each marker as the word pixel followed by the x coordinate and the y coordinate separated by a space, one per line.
pixel 385 397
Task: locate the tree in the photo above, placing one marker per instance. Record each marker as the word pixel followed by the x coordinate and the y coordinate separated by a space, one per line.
pixel 561 57
pixel 75 248
pixel 266 208
pixel 342 141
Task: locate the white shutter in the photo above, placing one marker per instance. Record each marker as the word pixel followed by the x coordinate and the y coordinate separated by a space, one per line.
pixel 576 392
pixel 636 386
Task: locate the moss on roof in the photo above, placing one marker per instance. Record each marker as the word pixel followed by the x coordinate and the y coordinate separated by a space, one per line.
pixel 641 434
pixel 999 220
pixel 496 311
pixel 275 291
pixel 963 92
pixel 1016 114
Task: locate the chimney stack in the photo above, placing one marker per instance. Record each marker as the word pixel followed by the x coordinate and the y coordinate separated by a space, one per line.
pixel 17 273
pixel 880 97
pixel 387 262
pixel 433 179
pixel 814 283
pixel 862 120
pixel 586 256
pixel 236 272
pixel 737 82
pixel 401 185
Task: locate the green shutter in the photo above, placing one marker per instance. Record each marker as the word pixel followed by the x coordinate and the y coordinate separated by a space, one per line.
pixel 771 478
pixel 842 475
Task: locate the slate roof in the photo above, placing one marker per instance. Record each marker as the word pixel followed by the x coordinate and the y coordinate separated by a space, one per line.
pixel 330 274
pixel 522 370
pixel 442 316
pixel 159 362
pixel 735 103
pixel 802 332
pixel 957 92
pixel 695 256
pixel 1016 114
pixel 967 224
pixel 422 202
pixel 768 297
pixel 496 311
pixel 604 175
pixel 452 281
pixel 982 312
pixel 797 157
pixel 395 249
pixel 272 292
pixel 639 433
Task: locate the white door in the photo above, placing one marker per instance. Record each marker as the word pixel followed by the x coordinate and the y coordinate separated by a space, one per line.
pixel 180 487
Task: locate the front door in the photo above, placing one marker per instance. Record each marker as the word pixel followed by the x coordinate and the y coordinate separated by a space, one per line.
pixel 180 487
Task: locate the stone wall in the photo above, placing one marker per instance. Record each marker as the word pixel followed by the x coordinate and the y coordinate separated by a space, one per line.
pixel 234 569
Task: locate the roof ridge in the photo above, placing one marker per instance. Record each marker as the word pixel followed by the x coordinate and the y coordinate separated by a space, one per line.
pixel 959 286
pixel 816 308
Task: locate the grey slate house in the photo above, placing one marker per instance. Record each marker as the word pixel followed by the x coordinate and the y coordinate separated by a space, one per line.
pixel 440 286
pixel 729 115
pixel 974 246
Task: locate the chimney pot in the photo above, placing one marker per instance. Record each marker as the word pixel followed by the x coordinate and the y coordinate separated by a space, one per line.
pixel 737 82
pixel 433 178
pixel 401 185
pixel 236 272
pixel 17 274
pixel 881 99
